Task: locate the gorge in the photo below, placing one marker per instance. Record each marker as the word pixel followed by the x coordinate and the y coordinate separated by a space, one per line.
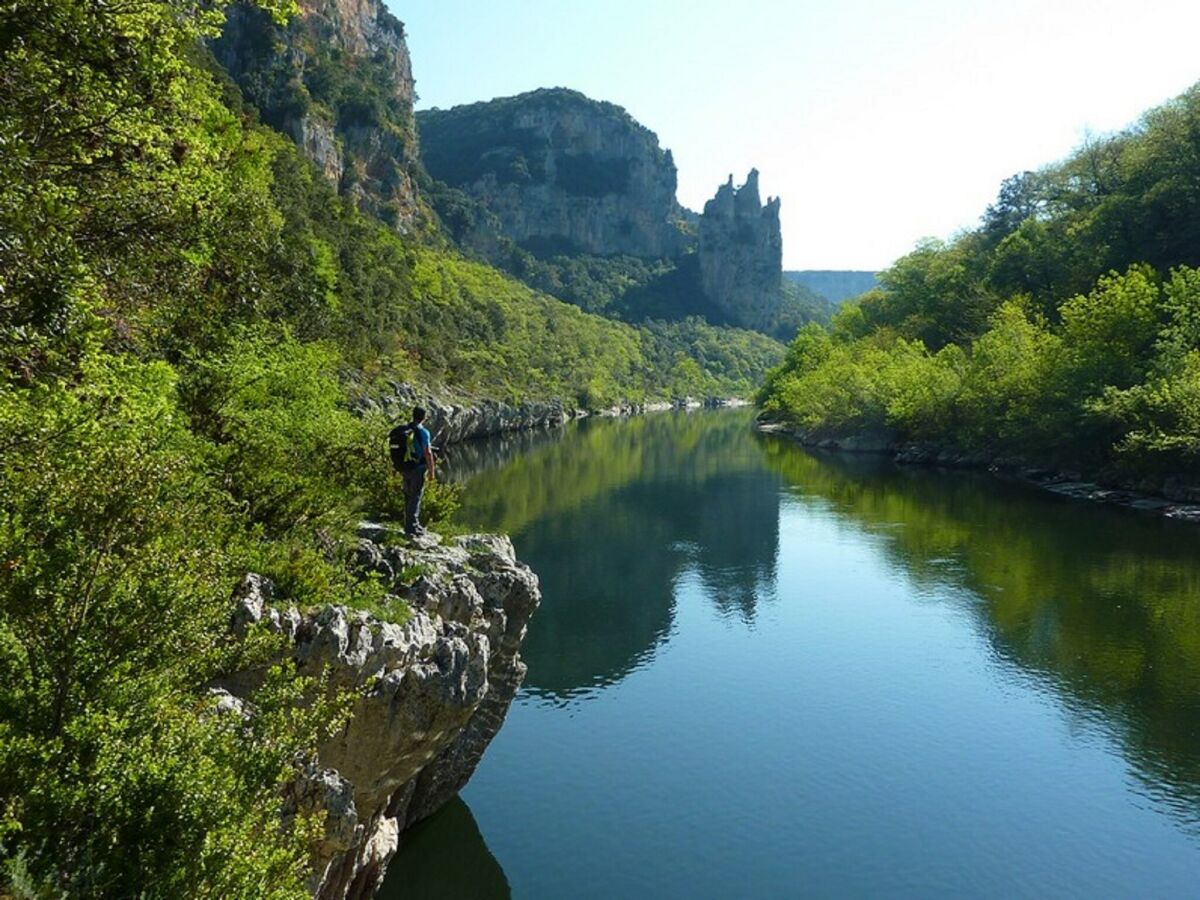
pixel 233 256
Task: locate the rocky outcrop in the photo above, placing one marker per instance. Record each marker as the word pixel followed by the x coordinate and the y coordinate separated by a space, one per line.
pixel 428 694
pixel 338 80
pixel 741 255
pixel 452 420
pixel 456 418
pixel 559 172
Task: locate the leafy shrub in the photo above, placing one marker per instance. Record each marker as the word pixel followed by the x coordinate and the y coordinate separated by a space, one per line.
pixel 1116 380
pixel 118 554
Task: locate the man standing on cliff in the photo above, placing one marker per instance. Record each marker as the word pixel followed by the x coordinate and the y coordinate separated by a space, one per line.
pixel 417 465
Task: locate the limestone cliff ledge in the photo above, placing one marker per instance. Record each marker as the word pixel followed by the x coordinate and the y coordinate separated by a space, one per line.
pixel 453 418
pixel 429 695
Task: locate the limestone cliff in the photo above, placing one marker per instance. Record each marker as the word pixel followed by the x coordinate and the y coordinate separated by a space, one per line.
pixel 428 694
pixel 570 178
pixel 338 80
pixel 569 194
pixel 559 172
pixel 741 255
pixel 455 416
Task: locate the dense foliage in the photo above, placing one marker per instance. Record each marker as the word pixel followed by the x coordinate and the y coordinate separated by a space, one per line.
pixel 182 298
pixel 1066 329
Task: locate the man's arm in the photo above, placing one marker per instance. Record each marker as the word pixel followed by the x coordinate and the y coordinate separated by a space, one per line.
pixel 431 466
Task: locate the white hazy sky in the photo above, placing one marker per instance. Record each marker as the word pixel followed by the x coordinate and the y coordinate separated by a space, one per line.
pixel 877 121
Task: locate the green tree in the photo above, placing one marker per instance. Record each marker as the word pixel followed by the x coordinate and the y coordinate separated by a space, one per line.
pixel 114 167
pixel 116 557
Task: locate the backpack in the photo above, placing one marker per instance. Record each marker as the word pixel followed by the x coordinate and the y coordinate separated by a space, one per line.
pixel 402 445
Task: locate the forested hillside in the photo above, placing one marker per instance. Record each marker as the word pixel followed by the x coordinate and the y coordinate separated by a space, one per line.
pixel 1065 329
pixel 181 294
pixel 832 285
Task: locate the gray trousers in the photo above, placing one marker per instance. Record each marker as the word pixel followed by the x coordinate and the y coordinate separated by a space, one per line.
pixel 414 487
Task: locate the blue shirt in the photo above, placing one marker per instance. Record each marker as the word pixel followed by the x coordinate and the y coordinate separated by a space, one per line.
pixel 421 441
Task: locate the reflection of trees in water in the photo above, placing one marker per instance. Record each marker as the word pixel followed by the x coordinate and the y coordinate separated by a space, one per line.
pixel 739 533
pixel 445 858
pixel 607 603
pixel 469 459
pixel 549 472
pixel 611 514
pixel 1103 603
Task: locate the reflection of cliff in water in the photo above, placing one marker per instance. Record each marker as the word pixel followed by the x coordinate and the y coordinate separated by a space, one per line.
pixel 469 459
pixel 610 515
pixel 445 858
pixel 1102 604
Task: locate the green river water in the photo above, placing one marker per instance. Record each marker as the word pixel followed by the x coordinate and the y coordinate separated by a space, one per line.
pixel 763 672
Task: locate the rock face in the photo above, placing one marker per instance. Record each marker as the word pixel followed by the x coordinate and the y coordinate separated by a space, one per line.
pixel 560 172
pixel 741 254
pixel 430 694
pixel 338 80
pixel 461 418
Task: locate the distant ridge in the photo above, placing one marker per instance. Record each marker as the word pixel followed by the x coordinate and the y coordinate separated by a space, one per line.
pixel 834 285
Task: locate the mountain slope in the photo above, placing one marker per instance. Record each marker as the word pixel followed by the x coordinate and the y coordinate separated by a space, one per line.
pixel 560 172
pixel 187 306
pixel 834 285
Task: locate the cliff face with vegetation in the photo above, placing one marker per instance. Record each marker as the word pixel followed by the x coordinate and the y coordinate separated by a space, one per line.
pixel 190 304
pixel 338 80
pixel 560 173
pixel 574 197
pixel 741 254
pixel 429 681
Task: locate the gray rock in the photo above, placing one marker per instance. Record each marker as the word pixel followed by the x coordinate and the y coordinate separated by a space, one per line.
pixel 225 703
pixel 250 598
pixel 371 163
pixel 428 697
pixel 451 421
pixel 587 176
pixel 741 254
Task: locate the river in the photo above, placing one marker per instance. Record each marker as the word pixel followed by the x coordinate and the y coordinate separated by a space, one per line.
pixel 759 671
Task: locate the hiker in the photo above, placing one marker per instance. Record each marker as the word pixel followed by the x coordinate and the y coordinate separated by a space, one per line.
pixel 412 454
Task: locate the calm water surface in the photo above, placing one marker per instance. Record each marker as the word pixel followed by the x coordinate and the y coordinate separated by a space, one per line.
pixel 759 672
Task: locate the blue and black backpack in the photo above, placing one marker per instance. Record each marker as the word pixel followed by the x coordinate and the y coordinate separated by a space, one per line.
pixel 402 445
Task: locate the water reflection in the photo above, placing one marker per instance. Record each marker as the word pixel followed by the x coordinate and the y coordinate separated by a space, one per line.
pixel 445 858
pixel 632 504
pixel 964 687
pixel 1103 605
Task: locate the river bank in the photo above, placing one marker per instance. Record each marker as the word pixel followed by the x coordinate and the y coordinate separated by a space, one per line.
pixel 1173 497
pixel 454 417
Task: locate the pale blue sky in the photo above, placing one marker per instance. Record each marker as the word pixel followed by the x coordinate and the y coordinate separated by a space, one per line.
pixel 877 121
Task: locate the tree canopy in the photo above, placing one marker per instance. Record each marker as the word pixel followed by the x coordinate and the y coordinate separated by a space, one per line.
pixel 1061 330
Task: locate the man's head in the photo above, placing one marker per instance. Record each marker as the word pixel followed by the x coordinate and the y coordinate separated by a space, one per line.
pixel 418 415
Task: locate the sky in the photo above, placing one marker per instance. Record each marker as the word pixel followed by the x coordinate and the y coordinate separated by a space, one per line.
pixel 878 122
